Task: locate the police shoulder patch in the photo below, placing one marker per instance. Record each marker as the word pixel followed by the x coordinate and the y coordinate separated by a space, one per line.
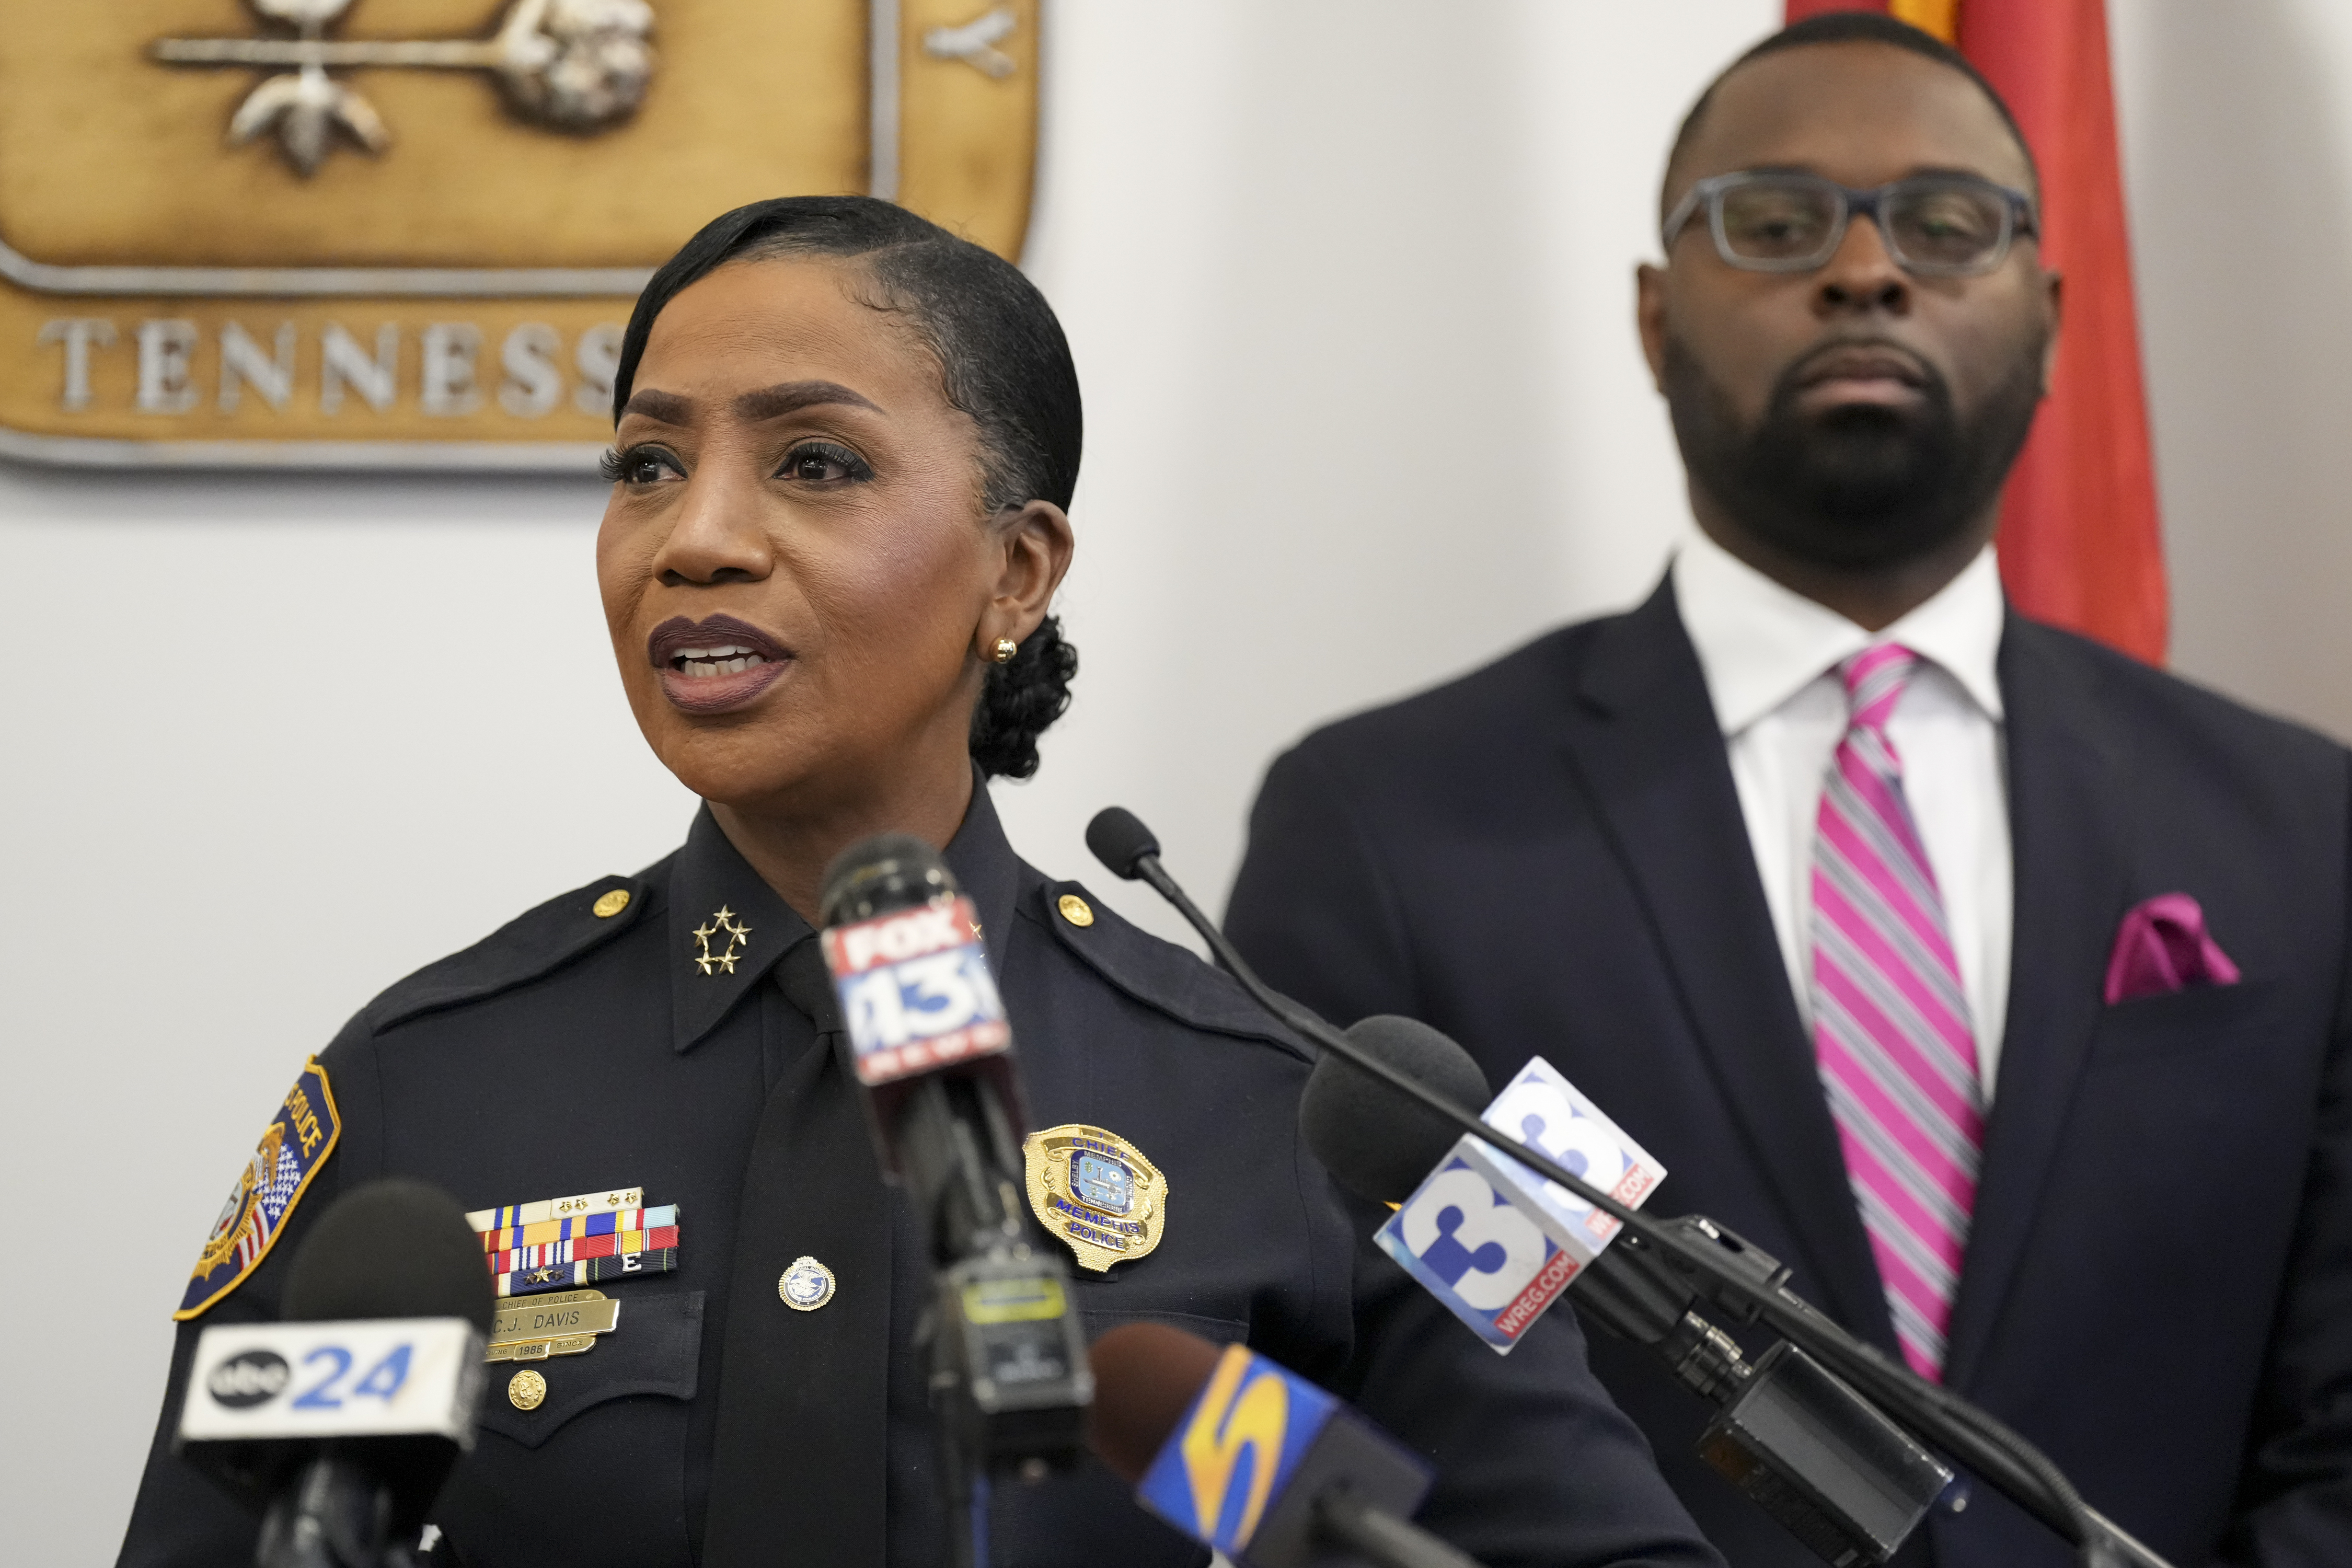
pixel 1096 1191
pixel 293 1147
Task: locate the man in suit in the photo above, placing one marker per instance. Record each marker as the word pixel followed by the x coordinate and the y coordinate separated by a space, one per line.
pixel 1991 979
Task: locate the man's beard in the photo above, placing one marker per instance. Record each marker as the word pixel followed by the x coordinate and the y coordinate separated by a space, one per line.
pixel 1859 487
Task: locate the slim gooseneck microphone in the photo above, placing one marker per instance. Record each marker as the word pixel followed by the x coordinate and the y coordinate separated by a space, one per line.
pixel 1127 849
pixel 1733 1275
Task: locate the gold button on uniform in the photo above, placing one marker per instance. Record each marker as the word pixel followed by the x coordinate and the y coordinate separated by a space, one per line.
pixel 1076 911
pixel 610 904
pixel 526 1390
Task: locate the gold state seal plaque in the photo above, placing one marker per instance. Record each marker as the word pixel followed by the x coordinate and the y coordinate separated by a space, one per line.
pixel 407 233
pixel 1096 1191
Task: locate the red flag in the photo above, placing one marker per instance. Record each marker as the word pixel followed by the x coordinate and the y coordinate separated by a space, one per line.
pixel 2080 543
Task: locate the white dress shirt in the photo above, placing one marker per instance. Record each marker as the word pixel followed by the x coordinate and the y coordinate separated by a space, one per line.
pixel 1770 658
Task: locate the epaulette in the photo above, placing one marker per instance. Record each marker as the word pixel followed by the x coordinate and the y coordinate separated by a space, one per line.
pixel 1158 973
pixel 530 945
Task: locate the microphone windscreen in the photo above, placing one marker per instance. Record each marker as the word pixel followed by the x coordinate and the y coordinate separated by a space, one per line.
pixel 1375 1142
pixel 394 1249
pixel 874 876
pixel 1146 1377
pixel 1119 839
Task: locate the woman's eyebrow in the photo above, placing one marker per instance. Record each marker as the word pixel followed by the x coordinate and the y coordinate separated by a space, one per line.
pixel 667 407
pixel 785 397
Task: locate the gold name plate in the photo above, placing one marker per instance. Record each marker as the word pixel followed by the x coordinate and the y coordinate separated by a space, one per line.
pixel 361 234
pixel 562 1323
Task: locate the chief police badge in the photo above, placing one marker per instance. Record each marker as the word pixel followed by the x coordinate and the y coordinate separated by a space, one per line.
pixel 1096 1191
pixel 293 1146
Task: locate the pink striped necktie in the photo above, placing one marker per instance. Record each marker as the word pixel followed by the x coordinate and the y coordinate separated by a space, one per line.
pixel 1896 1050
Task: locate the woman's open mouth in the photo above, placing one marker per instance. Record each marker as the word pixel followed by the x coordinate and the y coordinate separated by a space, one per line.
pixel 714 665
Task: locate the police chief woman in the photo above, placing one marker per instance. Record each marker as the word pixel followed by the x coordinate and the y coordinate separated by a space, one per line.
pixel 846 442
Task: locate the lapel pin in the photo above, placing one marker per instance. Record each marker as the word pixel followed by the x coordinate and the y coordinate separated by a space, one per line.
pixel 806 1285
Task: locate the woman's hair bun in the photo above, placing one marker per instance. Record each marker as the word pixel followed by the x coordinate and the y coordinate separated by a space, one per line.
pixel 1019 699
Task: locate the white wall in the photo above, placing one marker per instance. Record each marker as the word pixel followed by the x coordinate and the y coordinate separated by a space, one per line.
pixel 1349 286
pixel 2236 124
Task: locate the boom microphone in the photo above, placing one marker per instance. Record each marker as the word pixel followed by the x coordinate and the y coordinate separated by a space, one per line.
pixel 340 1423
pixel 931 1052
pixel 1253 1460
pixel 1803 1445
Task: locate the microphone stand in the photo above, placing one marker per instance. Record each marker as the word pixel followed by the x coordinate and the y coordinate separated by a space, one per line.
pixel 1009 1384
pixel 1343 1519
pixel 1729 1271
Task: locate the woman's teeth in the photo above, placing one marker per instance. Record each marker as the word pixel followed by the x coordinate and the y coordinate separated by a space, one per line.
pixel 728 659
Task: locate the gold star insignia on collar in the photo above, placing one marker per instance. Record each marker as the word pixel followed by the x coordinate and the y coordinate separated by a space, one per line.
pixel 738 939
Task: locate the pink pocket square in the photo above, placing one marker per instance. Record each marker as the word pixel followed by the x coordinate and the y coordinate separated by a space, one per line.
pixel 2161 947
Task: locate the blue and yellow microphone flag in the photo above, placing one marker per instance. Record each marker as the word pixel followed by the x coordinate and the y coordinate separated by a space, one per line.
pixel 1238 1446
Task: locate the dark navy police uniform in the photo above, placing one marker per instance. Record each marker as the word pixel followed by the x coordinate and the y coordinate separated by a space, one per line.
pixel 577 1051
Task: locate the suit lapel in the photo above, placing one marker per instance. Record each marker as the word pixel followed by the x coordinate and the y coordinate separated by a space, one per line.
pixel 2071 836
pixel 1649 759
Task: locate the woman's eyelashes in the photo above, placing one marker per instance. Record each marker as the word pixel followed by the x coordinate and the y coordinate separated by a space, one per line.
pixel 643 465
pixel 823 463
pixel 820 463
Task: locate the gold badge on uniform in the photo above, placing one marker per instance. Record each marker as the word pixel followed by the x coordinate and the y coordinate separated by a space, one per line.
pixel 1096 1191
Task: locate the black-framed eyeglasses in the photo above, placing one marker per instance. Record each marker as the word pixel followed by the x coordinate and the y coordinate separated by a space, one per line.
pixel 1934 226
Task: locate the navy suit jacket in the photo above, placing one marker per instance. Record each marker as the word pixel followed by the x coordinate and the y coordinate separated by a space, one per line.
pixel 1548 856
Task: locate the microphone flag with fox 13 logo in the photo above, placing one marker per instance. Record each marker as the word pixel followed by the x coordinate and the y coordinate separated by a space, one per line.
pixel 915 991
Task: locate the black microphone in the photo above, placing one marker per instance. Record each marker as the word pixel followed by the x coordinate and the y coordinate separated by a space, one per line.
pixel 930 1049
pixel 1799 1441
pixel 1733 1275
pixel 1342 1102
pixel 1128 849
pixel 929 1043
pixel 1117 839
pixel 1253 1460
pixel 340 1423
